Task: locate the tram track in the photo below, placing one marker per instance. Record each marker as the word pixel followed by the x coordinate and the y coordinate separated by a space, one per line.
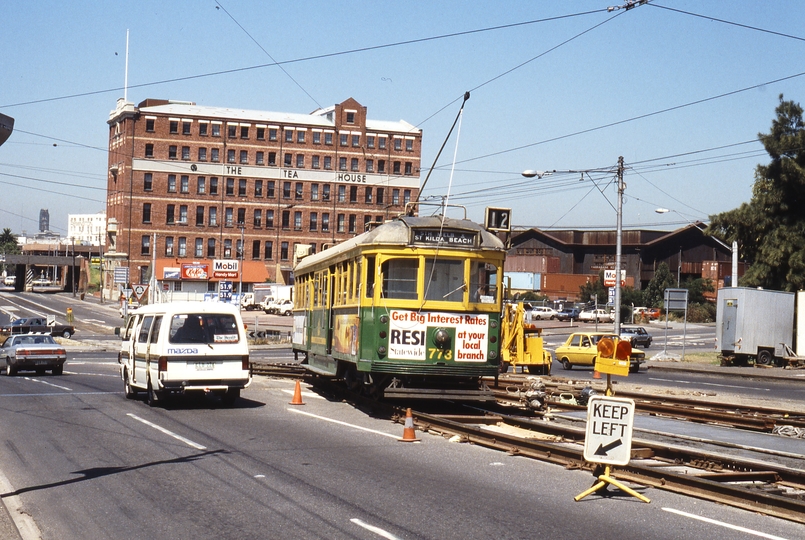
pixel 752 483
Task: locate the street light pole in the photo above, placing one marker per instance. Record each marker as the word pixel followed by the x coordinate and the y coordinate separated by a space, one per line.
pixel 240 267
pixel 619 248
pixel 72 270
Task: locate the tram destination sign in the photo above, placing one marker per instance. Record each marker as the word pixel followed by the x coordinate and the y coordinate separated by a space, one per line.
pixel 433 237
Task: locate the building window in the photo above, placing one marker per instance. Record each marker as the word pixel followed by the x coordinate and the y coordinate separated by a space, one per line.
pixel 272 134
pixel 325 221
pixel 186 153
pixel 169 246
pixel 350 118
pixel 396 168
pixel 244 132
pixel 148 182
pixel 381 143
pixel 286 219
pixel 232 130
pixel 356 140
pixel 174 126
pixel 241 216
pixel 381 166
pixel 230 187
pixel 170 211
pixel 300 136
pixel 149 150
pixel 242 187
pixel 284 251
pixel 395 196
pixel 409 145
pixel 406 196
pixel 300 161
pixel 213 216
pixel 227 249
pixel 408 168
pixel 213 186
pixel 370 165
pixel 328 163
pixel 149 125
pixel 352 223
pixel 184 184
pixel 182 246
pixel 214 155
pixel 210 248
pixel 186 128
pixel 343 139
pixel 255 249
pixel 353 165
pixel 317 137
pixel 259 158
pixel 286 190
pixel 270 189
pixel 314 221
pixel 340 223
pixel 328 138
pixel 202 129
pixel 342 164
pixel 171 183
pixel 353 194
pixel 397 144
pixel 258 188
pixel 199 251
pixel 183 214
pixel 268 252
pixel 145 245
pixel 342 193
pixel 272 158
pixel 146 212
pixel 325 192
pixel 288 135
pixel 367 197
pixel 366 220
pixel 230 156
pixel 172 151
pixel 229 217
pixel 200 216
pixel 288 159
pixel 258 218
pixel 202 154
pixel 299 191
pixel 370 141
pixel 202 185
pixel 314 192
pixel 261 133
pixel 314 162
pixel 269 219
pixel 244 157
pixel 380 193
pixel 297 221
pixel 216 130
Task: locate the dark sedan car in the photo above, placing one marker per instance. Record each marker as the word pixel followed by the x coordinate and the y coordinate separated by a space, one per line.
pixel 637 335
pixel 35 352
pixel 568 313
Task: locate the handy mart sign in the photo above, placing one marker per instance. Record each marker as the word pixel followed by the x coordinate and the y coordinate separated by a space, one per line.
pixel 225 269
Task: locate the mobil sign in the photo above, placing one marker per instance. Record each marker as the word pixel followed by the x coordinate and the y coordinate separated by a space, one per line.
pixel 225 269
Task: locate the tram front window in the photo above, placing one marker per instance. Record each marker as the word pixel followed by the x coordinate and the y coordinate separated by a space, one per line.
pixel 483 277
pixel 444 280
pixel 399 278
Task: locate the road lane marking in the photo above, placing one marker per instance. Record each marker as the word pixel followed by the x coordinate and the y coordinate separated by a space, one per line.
pixel 723 524
pixel 298 411
pixel 60 394
pixel 168 432
pixel 711 384
pixel 48 383
pixel 377 530
pixel 305 394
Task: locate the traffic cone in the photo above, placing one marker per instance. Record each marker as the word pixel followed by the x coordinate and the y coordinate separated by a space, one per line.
pixel 596 374
pixel 409 434
pixel 297 395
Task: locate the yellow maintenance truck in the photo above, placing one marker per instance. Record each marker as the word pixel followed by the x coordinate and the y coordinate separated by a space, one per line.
pixel 521 343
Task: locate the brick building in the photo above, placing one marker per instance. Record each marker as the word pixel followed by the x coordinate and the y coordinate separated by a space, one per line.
pixel 188 185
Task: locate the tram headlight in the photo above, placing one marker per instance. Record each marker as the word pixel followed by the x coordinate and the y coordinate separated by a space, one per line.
pixel 493 355
pixel 381 351
pixel 441 338
pixel 384 319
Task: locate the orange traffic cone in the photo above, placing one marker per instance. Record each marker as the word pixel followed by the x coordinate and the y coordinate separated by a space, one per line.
pixel 409 434
pixel 297 395
pixel 596 374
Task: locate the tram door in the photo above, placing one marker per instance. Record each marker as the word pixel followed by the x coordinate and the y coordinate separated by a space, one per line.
pixel 329 295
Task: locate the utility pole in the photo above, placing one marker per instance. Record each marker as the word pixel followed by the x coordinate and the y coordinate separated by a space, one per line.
pixel 619 247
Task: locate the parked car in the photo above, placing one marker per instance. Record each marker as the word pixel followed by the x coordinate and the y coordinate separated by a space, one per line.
pixel 581 348
pixel 592 315
pixel 37 325
pixel 653 313
pixel 32 352
pixel 568 314
pixel 538 313
pixel 283 307
pixel 637 335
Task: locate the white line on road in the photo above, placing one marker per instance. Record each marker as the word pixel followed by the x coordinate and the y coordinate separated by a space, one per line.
pixel 343 423
pixel 710 384
pixel 312 395
pixel 378 531
pixel 168 432
pixel 49 384
pixel 726 525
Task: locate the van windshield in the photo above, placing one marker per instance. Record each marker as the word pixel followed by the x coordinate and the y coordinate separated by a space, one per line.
pixel 203 328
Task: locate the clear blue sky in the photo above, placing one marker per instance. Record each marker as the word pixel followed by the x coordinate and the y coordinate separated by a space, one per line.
pixel 543 93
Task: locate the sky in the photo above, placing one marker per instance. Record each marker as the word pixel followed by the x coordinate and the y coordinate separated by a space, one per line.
pixel 680 89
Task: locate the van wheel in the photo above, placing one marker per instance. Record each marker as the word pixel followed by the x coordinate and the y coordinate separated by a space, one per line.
pixel 130 391
pixel 566 364
pixel 230 396
pixel 153 396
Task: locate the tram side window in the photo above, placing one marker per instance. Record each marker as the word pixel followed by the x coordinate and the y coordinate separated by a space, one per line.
pixel 444 280
pixel 399 278
pixel 370 276
pixel 483 279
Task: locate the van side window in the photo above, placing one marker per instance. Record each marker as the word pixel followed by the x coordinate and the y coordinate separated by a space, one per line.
pixel 146 326
pixel 155 330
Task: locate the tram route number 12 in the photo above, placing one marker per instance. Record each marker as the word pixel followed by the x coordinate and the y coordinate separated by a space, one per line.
pixel 498 219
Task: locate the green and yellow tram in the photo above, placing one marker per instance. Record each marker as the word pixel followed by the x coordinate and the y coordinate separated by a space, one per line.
pixel 408 309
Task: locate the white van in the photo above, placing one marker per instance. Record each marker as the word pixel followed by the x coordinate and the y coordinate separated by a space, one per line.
pixel 185 347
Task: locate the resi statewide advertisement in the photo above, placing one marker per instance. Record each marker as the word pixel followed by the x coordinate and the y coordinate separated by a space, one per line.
pixel 411 336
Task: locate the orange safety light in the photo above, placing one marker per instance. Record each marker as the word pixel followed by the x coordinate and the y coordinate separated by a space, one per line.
pixel 613 356
pixel 624 350
pixel 606 348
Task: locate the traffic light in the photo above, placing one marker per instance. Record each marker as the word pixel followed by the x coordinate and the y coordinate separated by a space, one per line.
pixel 613 356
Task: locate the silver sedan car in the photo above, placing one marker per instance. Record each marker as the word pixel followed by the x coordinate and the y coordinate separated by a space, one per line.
pixel 33 352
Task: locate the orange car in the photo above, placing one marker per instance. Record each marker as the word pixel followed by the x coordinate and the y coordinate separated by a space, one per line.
pixel 653 313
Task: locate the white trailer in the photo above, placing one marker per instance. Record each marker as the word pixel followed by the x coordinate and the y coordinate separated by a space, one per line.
pixel 754 325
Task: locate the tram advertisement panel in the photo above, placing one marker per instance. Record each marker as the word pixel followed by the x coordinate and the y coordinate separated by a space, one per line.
pixel 438 337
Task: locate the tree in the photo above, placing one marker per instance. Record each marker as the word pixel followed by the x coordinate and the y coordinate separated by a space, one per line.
pixel 593 287
pixel 8 243
pixel 655 291
pixel 770 228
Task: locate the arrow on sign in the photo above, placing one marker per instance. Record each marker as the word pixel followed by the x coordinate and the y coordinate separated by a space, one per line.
pixel 602 449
